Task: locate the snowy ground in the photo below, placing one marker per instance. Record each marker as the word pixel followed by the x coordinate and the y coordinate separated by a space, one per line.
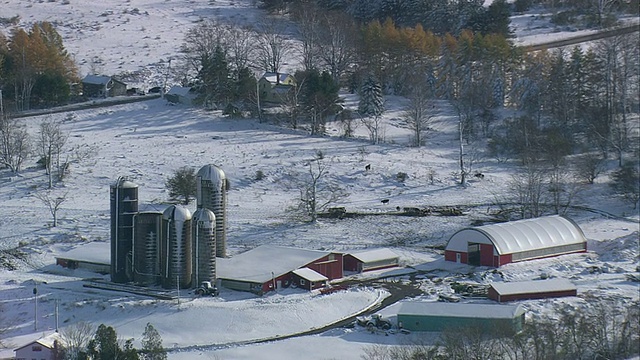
pixel 147 141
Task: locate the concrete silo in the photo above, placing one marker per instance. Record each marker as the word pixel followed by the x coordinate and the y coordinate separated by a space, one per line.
pixel 175 248
pixel 146 248
pixel 204 246
pixel 124 205
pixel 212 194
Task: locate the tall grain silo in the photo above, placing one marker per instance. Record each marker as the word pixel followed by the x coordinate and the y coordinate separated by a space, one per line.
pixel 146 247
pixel 204 246
pixel 212 195
pixel 175 247
pixel 124 205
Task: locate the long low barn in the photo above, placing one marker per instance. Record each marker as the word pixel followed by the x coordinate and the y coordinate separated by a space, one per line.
pixel 500 244
pixel 93 256
pixel 368 260
pixel 524 290
pixel 267 268
pixel 438 316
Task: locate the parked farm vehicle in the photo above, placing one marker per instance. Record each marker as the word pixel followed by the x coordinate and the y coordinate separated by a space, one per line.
pixel 375 322
pixel 207 289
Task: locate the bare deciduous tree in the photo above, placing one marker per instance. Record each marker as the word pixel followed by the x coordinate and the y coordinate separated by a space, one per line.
pixel 53 200
pixel 527 188
pixel 317 190
pixel 336 44
pixel 417 115
pixel 14 143
pixel 51 142
pixel 75 339
pixel 271 46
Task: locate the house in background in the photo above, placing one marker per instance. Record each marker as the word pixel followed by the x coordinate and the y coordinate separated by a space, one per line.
pixel 275 87
pixel 180 95
pixel 101 86
pixel 42 349
pixel 369 260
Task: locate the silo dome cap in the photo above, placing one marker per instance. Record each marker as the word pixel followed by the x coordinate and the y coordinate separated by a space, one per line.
pixel 125 184
pixel 204 215
pixel 177 212
pixel 211 173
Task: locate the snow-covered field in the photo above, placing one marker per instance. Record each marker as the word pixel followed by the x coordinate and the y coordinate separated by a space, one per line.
pixel 147 141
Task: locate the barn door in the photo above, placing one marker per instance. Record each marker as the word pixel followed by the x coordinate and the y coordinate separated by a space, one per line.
pixel 473 249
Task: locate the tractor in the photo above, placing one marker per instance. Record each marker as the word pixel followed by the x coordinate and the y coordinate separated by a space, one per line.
pixel 378 322
pixel 207 289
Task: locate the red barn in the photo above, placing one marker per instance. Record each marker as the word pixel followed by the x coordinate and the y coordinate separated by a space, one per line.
pixel 308 279
pixel 267 268
pixel 498 244
pixel 524 290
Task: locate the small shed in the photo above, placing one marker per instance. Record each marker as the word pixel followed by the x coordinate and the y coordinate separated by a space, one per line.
pixel 180 95
pixel 538 289
pixel 308 279
pixel 94 256
pixel 44 348
pixel 369 260
pixel 94 86
pixel 438 316
pixel 499 244
pixel 267 267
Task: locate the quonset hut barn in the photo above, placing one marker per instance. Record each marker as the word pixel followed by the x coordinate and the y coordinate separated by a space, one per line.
pixel 499 244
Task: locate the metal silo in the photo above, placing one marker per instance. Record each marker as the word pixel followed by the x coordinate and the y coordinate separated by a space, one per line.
pixel 124 205
pixel 175 247
pixel 204 246
pixel 212 195
pixel 146 247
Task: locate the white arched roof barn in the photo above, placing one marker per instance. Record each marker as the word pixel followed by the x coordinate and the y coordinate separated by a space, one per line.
pixel 499 244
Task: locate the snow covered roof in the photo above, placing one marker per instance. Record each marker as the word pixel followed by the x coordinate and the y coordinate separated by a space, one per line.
pixel 264 262
pixel 374 255
pixel 93 252
pixel 96 79
pixel 310 275
pixel 275 78
pixel 467 310
pixel 530 287
pixel 47 341
pixel 523 235
pixel 181 91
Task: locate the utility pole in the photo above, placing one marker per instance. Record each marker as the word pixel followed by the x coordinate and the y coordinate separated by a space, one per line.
pixel 57 304
pixel 35 296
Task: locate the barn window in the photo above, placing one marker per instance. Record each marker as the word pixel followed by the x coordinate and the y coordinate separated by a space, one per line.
pixel 36 348
pixel 302 281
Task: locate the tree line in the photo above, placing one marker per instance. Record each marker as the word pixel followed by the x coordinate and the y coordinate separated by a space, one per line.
pixel 82 341
pixel 35 68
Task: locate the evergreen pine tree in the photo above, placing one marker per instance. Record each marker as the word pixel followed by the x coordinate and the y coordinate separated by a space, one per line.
pixel 152 344
pixel 371 101
pixel 104 345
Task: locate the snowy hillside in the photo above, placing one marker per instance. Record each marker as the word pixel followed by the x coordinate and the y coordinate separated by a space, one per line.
pixel 146 141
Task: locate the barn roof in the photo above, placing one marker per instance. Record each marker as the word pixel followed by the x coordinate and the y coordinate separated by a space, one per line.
pixel 532 287
pixel 261 264
pixel 374 255
pixel 523 235
pixel 467 310
pixel 310 275
pixel 94 252
pixel 47 341
pixel 181 91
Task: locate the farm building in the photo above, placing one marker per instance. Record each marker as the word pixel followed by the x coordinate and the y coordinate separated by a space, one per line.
pixel 93 256
pixel 370 260
pixel 308 279
pixel 438 316
pixel 180 95
pixel 275 87
pixel 539 289
pixel 500 244
pixel 102 86
pixel 41 349
pixel 266 268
